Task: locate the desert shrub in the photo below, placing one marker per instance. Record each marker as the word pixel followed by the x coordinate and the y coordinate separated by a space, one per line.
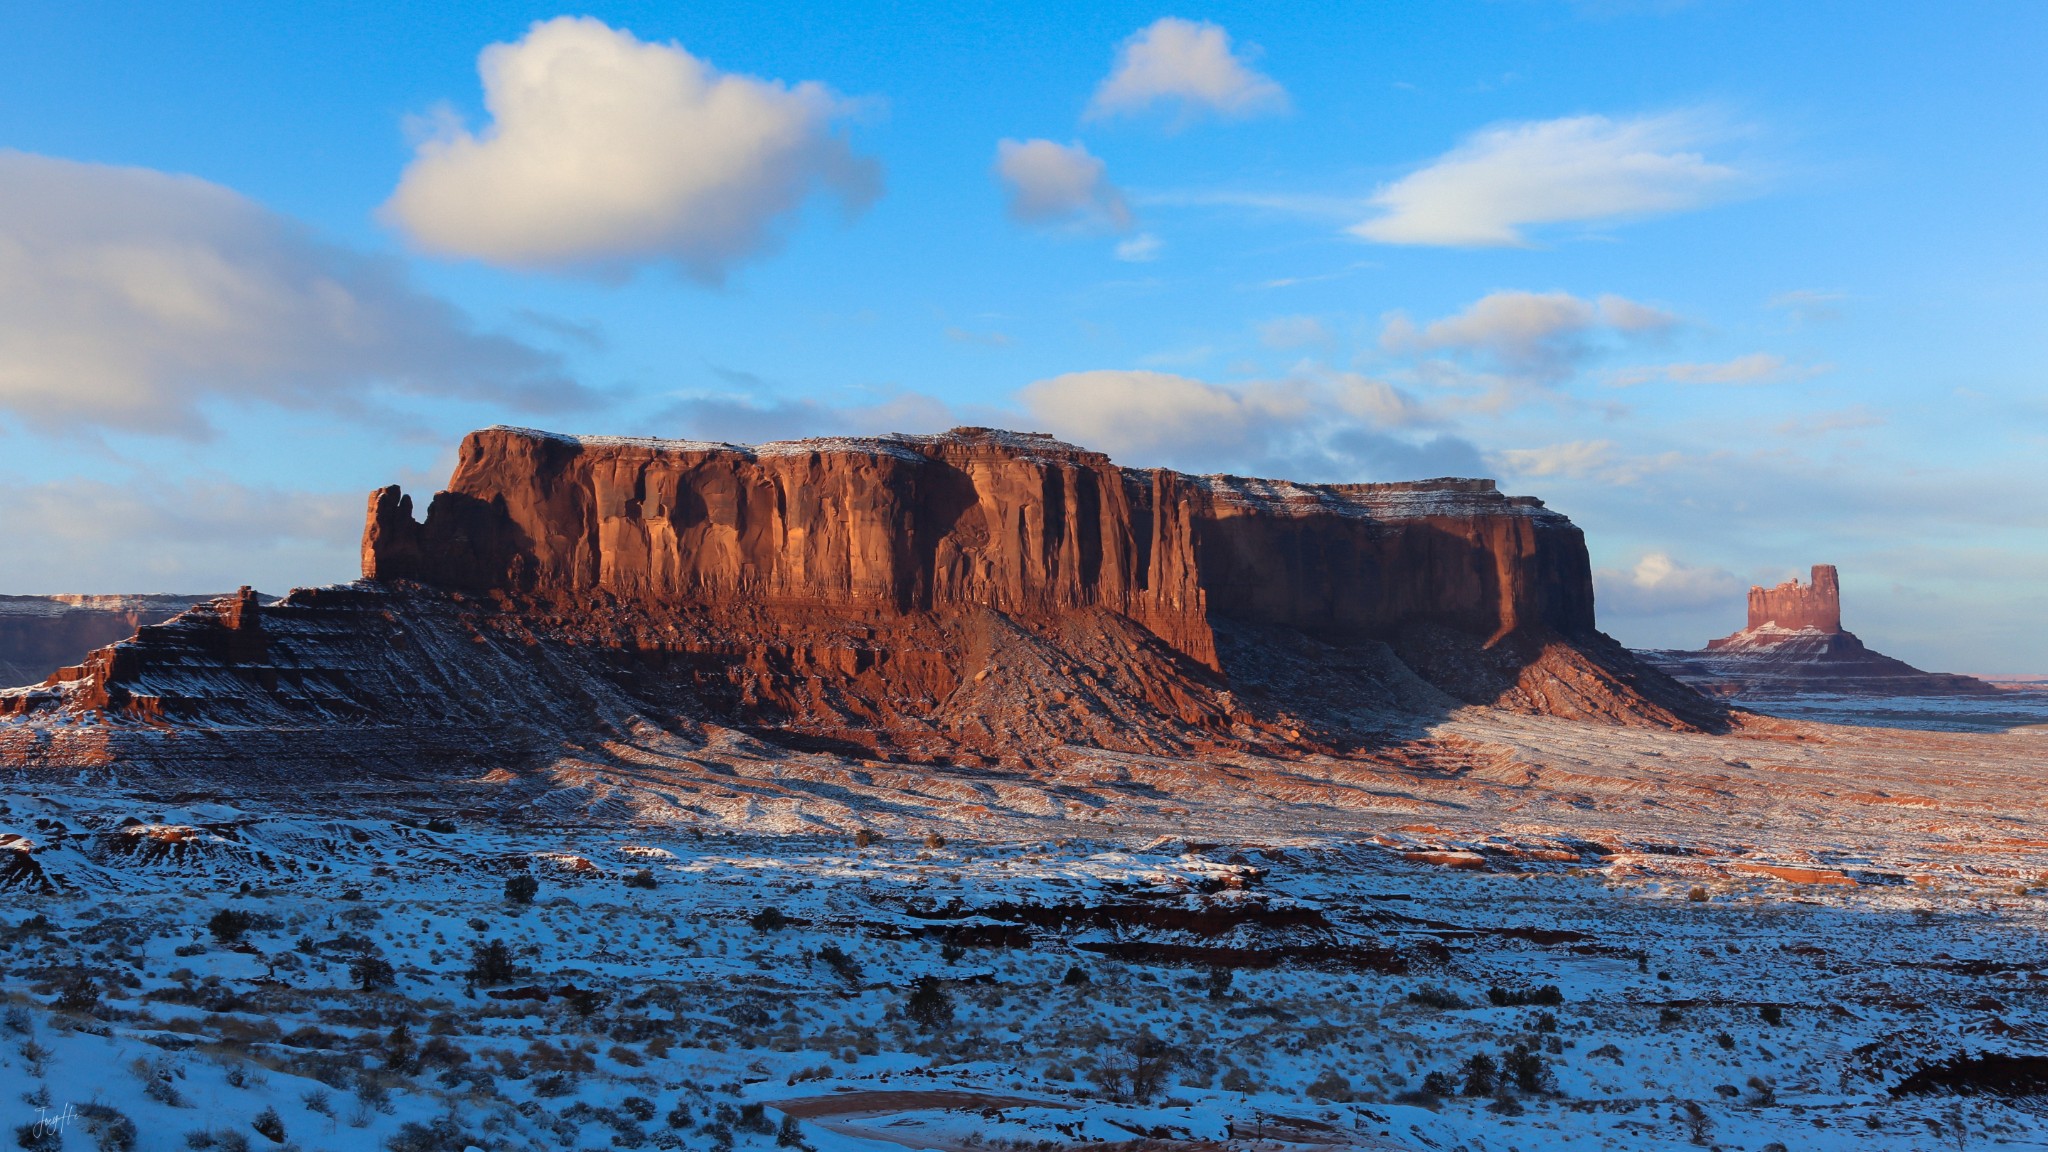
pixel 678 1116
pixel 1725 1041
pixel 929 1003
pixel 934 840
pixel 1548 996
pixel 1697 895
pixel 79 994
pixel 638 1107
pixel 1138 1070
pixel 1439 1084
pixel 1481 1075
pixel 229 925
pixel 441 1134
pixel 318 1102
pixel 1431 996
pixel 1666 1017
pixel 863 838
pixel 1762 1093
pixel 491 963
pixel 521 889
pixel 754 1118
pixel 109 1129
pixel 640 878
pixel 1772 1014
pixel 768 919
pixel 1075 976
pixel 371 971
pixel 269 1125
pixel 791 1134
pixel 39 1137
pixel 844 966
pixel 1218 983
pixel 441 824
pixel 584 1001
pixel 951 952
pixel 1526 1070
pixel 1697 1122
pixel 1330 1086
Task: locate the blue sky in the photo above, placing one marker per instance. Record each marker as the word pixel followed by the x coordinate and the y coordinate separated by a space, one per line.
pixel 1738 286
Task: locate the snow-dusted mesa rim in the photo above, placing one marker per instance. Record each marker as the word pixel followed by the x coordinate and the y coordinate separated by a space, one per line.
pixel 1396 499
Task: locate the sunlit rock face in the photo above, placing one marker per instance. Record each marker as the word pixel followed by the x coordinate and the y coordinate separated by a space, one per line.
pixel 974 597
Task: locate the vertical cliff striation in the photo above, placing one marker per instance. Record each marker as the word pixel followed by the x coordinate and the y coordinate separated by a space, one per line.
pixel 979 595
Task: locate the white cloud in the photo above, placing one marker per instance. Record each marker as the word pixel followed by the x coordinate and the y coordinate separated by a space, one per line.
pixel 183 535
pixel 1311 426
pixel 1139 249
pixel 1539 335
pixel 1053 183
pixel 1657 584
pixel 130 299
pixel 1577 458
pixel 605 152
pixel 1581 168
pixel 1754 368
pixel 1186 64
pixel 1294 332
pixel 750 418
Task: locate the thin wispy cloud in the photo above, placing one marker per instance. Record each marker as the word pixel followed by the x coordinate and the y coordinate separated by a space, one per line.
pixel 605 153
pixel 1188 67
pixel 1754 368
pixel 1490 189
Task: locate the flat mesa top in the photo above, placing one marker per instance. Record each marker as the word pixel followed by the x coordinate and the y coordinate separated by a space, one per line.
pixel 1441 496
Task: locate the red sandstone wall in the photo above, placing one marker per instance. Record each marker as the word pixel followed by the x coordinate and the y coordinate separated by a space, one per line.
pixel 1794 605
pixel 1025 525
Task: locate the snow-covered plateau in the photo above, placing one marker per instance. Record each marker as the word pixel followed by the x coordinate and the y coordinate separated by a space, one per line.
pixel 1531 934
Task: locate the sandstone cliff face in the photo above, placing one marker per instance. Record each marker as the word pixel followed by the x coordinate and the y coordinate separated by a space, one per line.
pixel 976 597
pixel 1793 605
pixel 1022 525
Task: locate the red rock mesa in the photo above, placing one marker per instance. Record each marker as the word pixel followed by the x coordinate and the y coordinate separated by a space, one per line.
pixel 980 595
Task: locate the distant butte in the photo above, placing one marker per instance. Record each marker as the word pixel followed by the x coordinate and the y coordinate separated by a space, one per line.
pixel 1795 645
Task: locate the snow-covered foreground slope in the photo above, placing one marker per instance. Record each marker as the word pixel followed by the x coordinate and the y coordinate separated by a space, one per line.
pixel 1651 939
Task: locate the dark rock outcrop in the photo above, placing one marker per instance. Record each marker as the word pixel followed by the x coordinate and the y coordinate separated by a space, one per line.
pixel 976 597
pixel 1795 645
pixel 41 633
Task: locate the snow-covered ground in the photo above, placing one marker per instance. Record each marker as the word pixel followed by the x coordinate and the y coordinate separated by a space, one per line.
pixel 1758 955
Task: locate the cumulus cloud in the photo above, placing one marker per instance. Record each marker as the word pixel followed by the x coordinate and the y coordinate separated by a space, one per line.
pixel 1053 183
pixel 1543 336
pixel 1188 65
pixel 1320 426
pixel 130 299
pixel 1499 181
pixel 1657 584
pixel 176 535
pixel 1755 368
pixel 606 152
